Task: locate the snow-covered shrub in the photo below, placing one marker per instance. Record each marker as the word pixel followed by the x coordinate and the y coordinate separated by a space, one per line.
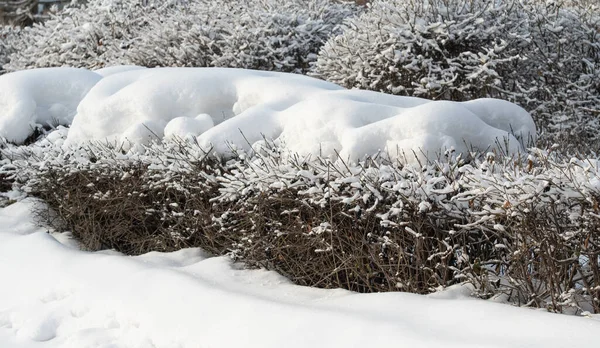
pixel 558 75
pixel 543 55
pixel 431 48
pixel 279 35
pixel 523 229
pixel 283 35
pixel 261 34
pixel 7 34
pixel 89 35
pixel 179 36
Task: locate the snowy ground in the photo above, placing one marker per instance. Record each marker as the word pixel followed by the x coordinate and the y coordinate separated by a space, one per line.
pixel 55 295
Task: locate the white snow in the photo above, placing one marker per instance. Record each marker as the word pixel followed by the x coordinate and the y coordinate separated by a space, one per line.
pixel 183 127
pixel 308 116
pixel 122 104
pixel 54 295
pixel 225 107
pixel 111 70
pixel 41 96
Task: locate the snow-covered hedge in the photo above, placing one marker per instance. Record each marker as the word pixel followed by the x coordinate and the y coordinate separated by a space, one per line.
pixel 543 55
pixel 523 229
pixel 283 35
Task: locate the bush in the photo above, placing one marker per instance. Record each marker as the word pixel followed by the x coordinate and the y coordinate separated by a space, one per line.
pixel 280 35
pixel 421 48
pixel 543 56
pixel 7 34
pixel 526 230
pixel 90 36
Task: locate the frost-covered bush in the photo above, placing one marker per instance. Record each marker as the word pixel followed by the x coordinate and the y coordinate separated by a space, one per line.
pixel 429 48
pixel 543 55
pixel 282 35
pixel 522 229
pixel 179 36
pixel 89 35
pixel 558 75
pixel 279 35
pixel 7 34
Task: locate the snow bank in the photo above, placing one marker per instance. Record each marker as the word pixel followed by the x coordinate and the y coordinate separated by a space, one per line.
pixel 41 97
pixel 58 296
pixel 225 108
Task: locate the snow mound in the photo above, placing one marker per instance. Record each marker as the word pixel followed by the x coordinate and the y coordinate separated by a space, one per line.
pixel 41 97
pixel 225 109
pixel 356 123
pixel 233 108
pixel 124 103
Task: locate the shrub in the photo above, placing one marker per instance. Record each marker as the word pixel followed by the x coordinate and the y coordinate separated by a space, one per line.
pixel 91 36
pixel 558 77
pixel 428 48
pixel 543 56
pixel 525 229
pixel 278 35
pixel 7 34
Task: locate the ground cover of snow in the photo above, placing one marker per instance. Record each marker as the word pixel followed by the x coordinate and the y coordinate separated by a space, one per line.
pixel 55 295
pixel 219 108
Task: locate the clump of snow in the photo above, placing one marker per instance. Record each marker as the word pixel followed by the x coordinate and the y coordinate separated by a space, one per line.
pixel 134 99
pixel 41 97
pixel 238 108
pixel 358 123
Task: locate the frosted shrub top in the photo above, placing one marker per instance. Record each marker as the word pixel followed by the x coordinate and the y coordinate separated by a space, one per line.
pixel 233 108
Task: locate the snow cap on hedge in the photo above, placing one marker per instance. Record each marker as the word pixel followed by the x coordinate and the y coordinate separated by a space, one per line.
pixel 233 108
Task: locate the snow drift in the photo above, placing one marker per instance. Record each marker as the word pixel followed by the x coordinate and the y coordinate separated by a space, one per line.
pixel 232 108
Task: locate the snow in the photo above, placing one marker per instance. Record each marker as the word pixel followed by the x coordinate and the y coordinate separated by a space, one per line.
pixel 41 96
pixel 111 70
pixel 235 108
pixel 123 104
pixel 183 127
pixel 55 295
pixel 309 116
